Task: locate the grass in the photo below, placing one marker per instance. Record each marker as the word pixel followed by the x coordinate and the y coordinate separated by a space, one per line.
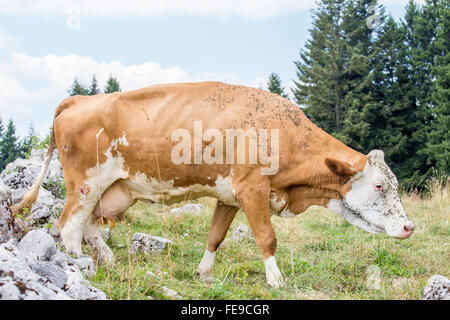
pixel 321 255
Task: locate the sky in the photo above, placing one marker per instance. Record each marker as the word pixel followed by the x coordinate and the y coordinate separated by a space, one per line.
pixel 45 44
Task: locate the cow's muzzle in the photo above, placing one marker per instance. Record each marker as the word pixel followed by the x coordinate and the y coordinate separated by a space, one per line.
pixel 407 231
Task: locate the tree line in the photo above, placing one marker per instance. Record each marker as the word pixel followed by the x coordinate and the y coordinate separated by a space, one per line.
pixel 375 83
pixel 12 147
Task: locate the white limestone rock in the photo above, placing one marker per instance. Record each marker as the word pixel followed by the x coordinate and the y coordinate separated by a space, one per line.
pixel 188 208
pixel 438 288
pixel 44 274
pixel 374 278
pixel 142 242
pixel 37 244
pixel 242 233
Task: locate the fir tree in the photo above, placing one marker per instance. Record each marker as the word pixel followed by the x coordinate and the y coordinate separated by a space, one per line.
pixel 420 26
pixel 334 80
pixel 274 85
pixel 1 128
pixel 9 146
pixel 30 142
pixel 93 89
pixel 112 85
pixel 77 88
pixel 438 147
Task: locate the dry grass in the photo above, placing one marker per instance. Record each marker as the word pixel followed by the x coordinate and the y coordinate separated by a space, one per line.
pixel 321 255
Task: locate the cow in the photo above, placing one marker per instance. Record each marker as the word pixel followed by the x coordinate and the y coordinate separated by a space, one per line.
pixel 116 149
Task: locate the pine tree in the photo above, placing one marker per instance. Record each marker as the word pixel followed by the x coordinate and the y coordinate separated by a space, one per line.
pixel 30 142
pixel 420 27
pixel 77 88
pixel 112 85
pixel 9 146
pixel 334 71
pixel 438 147
pixel 93 89
pixel 1 128
pixel 274 85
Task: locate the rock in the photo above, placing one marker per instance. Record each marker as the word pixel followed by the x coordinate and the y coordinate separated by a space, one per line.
pixel 79 289
pixel 8 291
pixel 147 243
pixel 105 233
pixel 374 278
pixel 37 244
pixel 6 223
pixel 62 259
pixel 21 173
pixel 55 279
pixel 5 192
pixel 438 288
pixel 51 229
pixel 86 266
pixel 158 273
pixel 52 272
pixel 242 233
pixel 19 176
pixel 188 208
pixel 169 293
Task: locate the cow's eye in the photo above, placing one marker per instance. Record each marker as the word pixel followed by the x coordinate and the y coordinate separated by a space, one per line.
pixel 378 186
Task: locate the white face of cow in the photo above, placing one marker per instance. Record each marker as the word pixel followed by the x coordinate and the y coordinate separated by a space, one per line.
pixel 373 202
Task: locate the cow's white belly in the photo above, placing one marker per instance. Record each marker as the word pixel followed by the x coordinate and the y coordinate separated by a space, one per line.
pixel 166 192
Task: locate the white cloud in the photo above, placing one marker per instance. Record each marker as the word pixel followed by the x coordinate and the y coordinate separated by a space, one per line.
pixel 253 9
pixel 32 87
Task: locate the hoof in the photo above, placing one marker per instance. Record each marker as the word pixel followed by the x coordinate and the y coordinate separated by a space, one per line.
pixel 206 277
pixel 276 284
pixel 104 256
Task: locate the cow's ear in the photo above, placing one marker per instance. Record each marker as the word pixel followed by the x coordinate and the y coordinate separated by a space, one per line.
pixel 376 154
pixel 340 168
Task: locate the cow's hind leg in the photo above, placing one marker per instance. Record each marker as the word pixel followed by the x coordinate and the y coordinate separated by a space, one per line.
pixel 92 236
pixel 222 218
pixel 114 203
pixel 72 223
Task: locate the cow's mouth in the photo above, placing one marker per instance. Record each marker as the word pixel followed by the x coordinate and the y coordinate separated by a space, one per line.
pixel 406 232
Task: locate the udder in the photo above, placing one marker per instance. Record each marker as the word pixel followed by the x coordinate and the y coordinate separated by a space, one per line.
pixel 115 202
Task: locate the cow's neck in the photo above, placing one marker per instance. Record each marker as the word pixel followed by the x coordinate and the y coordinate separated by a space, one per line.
pixel 307 165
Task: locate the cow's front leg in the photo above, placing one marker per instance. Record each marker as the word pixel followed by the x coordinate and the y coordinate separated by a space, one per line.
pixel 222 218
pixel 255 202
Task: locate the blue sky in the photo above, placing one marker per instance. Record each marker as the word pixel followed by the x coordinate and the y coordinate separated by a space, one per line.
pixel 42 46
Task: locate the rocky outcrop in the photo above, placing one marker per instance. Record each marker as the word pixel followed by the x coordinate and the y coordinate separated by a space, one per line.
pixel 242 233
pixel 15 181
pixel 188 208
pixel 31 265
pixel 35 269
pixel 145 243
pixel 22 173
pixel 438 288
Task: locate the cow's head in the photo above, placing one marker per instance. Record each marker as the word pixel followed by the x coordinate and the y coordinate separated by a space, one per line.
pixel 372 201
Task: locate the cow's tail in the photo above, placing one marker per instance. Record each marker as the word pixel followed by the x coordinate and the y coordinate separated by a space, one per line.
pixel 32 194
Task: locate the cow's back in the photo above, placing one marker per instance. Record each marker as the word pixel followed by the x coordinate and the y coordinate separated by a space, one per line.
pixel 147 117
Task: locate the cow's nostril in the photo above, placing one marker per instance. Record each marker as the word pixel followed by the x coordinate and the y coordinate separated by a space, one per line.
pixel 408 228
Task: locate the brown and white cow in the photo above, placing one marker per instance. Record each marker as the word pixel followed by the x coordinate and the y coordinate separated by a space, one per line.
pixel 117 148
